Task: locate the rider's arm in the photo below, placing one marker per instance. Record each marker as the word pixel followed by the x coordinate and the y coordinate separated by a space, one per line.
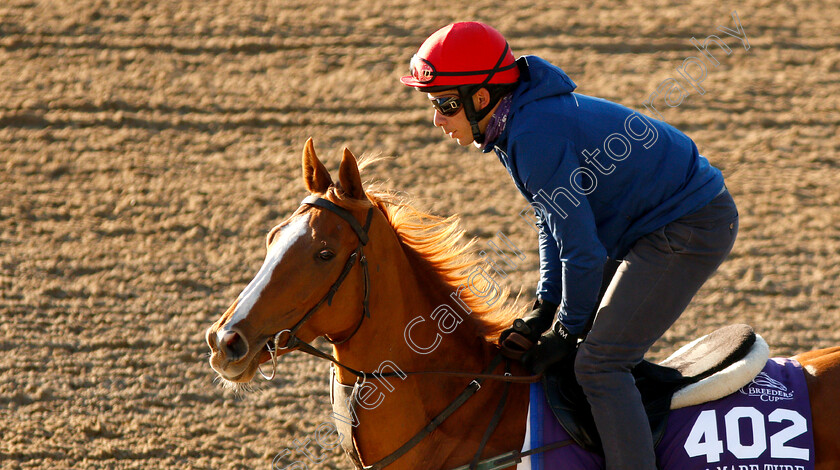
pixel 545 163
pixel 550 287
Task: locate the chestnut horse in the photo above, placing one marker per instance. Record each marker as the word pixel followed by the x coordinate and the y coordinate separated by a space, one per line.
pixel 394 264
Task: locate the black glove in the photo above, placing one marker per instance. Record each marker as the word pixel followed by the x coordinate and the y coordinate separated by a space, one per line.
pixel 552 348
pixel 527 330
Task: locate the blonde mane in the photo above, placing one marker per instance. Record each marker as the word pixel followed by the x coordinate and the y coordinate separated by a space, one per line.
pixel 436 242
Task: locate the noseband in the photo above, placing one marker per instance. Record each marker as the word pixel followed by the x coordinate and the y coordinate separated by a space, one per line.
pixel 358 254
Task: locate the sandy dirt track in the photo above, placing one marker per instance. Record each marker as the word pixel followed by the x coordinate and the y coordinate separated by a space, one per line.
pixel 147 147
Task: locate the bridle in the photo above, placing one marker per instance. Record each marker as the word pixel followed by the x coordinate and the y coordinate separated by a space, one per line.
pixel 295 343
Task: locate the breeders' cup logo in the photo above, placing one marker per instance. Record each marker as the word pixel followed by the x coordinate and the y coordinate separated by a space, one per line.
pixel 767 388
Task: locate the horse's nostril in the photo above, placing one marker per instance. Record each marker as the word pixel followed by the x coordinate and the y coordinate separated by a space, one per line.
pixel 233 345
pixel 210 337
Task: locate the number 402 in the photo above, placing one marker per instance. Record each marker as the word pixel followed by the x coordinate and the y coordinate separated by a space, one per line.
pixel 703 438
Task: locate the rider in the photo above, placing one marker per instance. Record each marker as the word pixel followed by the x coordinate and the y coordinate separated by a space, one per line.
pixel 610 187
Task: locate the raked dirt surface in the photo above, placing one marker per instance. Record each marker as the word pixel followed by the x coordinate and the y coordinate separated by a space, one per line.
pixel 147 147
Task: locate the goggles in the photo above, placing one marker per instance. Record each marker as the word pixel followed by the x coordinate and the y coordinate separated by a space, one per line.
pixel 447 105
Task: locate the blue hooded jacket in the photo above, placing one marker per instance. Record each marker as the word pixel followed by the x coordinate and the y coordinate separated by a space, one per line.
pixel 598 175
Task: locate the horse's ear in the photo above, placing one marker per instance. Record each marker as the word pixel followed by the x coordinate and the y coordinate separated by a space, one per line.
pixel 348 176
pixel 315 174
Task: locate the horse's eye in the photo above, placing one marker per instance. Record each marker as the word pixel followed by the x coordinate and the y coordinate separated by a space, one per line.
pixel 326 255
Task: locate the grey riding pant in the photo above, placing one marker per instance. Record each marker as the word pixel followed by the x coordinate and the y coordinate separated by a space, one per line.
pixel 650 289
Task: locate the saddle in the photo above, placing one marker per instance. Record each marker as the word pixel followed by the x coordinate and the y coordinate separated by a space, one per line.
pixel 706 369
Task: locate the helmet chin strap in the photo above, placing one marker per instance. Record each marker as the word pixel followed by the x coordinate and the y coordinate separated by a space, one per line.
pixel 473 116
pixel 467 92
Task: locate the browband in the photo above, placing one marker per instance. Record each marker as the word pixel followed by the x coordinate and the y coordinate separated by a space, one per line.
pixel 344 214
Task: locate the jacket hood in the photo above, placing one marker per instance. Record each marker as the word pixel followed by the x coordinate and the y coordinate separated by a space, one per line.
pixel 542 80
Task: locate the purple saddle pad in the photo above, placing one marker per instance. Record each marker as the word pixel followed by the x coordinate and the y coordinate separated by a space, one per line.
pixel 766 425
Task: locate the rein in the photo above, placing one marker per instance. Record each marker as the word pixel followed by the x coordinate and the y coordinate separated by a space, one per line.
pixel 507 377
pixel 295 343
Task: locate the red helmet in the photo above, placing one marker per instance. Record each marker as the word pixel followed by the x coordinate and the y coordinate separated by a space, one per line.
pixel 467 53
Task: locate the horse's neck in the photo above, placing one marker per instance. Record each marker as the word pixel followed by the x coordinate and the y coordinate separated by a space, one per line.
pixel 398 407
pixel 401 294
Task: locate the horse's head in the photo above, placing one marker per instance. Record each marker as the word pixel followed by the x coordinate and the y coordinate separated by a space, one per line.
pixel 318 248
